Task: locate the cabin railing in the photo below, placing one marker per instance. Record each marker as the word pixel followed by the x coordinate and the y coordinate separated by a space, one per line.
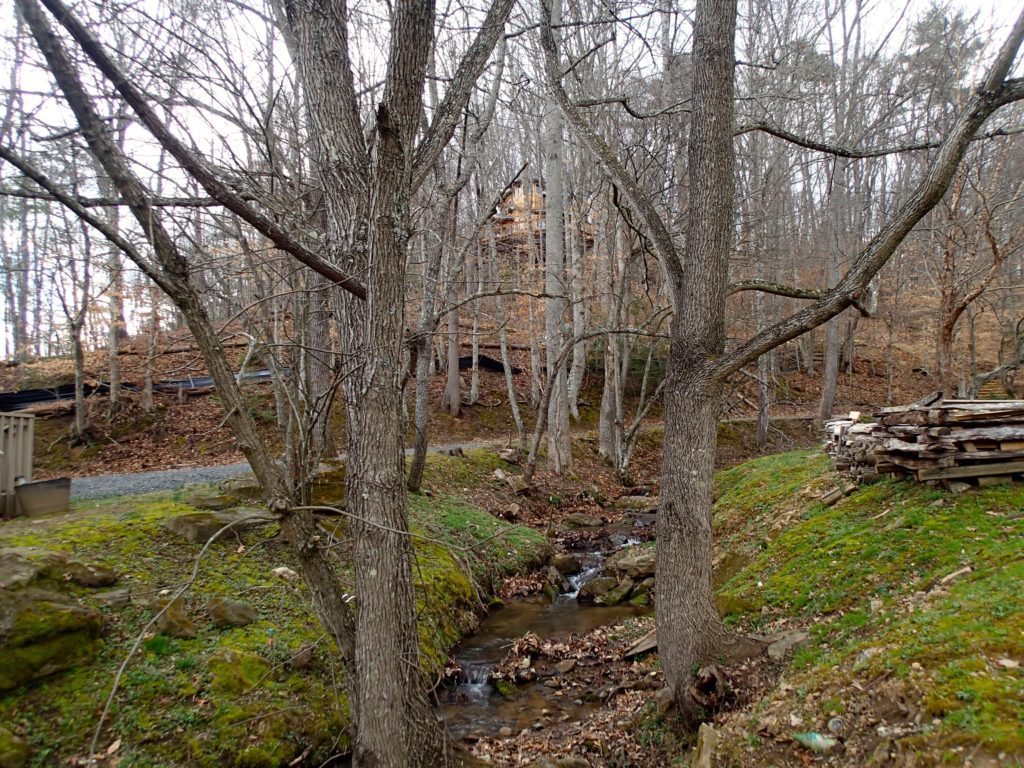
pixel 17 431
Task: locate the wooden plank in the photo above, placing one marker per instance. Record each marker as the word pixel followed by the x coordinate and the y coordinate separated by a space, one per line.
pixel 978 470
pixel 1012 445
pixel 960 434
pixel 988 455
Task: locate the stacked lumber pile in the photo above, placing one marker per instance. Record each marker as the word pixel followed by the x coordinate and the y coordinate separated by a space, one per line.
pixel 934 440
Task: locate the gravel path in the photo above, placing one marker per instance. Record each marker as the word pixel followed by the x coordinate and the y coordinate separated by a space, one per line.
pixel 103 486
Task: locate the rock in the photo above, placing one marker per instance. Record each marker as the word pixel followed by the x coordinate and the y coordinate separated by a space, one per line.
pixel 89 575
pixel 21 566
pixel 566 563
pixel 212 500
pixel 114 598
pixel 705 749
pixel 663 700
pixel 199 527
pixel 505 732
pixel 43 632
pixel 245 486
pixel 635 562
pixel 14 750
pixel 875 605
pixel 581 520
pixel 173 620
pixel 565 666
pixel 644 587
pixel 616 595
pixel 618 540
pixel 643 503
pixel 782 643
pixel 837 726
pixel 285 573
pixel 510 512
pixel 510 455
pixel 557 581
pixel 565 761
pixel 303 658
pixel 228 613
pixel 596 587
pixel 640 601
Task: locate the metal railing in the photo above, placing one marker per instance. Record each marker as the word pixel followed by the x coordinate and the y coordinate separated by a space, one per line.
pixel 17 431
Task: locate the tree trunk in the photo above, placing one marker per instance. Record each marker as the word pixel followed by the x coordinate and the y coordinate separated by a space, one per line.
pixel 559 440
pixel 690 630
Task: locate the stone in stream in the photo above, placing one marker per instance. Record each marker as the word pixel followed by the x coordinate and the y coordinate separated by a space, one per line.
pixel 644 586
pixel 228 613
pixel 567 564
pixel 581 520
pixel 636 562
pixel 616 595
pixel 642 503
pixel 596 587
pixel 557 584
pixel 565 666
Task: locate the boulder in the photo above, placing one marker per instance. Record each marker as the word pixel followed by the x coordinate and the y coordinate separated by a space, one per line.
pixel 644 586
pixel 581 520
pixel 557 581
pixel 228 613
pixel 22 566
pixel 199 527
pixel 636 562
pixel 14 750
pixel 566 563
pixel 616 595
pixel 25 566
pixel 642 503
pixel 173 621
pixel 43 632
pixel 596 587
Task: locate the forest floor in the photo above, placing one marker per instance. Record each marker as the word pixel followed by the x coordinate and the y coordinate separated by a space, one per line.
pixel 909 658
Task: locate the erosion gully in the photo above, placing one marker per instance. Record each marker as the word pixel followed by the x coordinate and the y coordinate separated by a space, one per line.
pixel 472 706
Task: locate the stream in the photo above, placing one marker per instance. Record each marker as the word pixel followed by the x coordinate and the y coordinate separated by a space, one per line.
pixel 473 708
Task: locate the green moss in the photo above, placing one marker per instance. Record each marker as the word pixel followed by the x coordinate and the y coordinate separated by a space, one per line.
pixel 864 574
pixel 236 672
pixel 228 696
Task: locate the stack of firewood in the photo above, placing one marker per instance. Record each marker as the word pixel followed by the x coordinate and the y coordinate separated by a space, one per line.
pixel 934 440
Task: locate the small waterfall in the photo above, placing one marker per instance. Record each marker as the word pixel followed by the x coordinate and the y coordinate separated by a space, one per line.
pixel 474 674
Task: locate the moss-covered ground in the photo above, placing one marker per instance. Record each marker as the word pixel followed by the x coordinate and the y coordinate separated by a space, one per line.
pixel 913 599
pixel 230 697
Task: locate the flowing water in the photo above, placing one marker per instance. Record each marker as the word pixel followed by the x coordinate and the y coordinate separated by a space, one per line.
pixel 473 708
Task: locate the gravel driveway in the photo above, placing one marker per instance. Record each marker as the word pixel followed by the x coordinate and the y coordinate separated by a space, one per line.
pixel 102 486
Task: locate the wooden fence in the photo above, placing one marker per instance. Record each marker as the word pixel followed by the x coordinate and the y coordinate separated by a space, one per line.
pixel 16 434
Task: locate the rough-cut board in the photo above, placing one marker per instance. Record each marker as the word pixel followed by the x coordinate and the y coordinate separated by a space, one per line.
pixel 974 470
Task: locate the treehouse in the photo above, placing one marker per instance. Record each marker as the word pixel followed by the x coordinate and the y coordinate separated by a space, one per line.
pixel 520 220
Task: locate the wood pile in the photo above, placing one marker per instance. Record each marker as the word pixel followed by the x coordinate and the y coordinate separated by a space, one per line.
pixel 934 440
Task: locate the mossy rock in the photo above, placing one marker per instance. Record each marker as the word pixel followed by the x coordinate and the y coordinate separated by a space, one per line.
pixel 173 621
pixel 14 750
pixel 506 688
pixel 596 587
pixel 617 594
pixel 236 672
pixel 636 562
pixel 229 613
pixel 43 632
pixel 200 527
pixel 212 500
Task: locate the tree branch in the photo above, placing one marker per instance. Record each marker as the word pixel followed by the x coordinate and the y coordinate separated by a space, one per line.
pixel 652 225
pixel 937 179
pixel 191 162
pixel 456 97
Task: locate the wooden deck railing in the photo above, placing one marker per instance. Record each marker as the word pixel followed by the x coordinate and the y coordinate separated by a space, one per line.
pixel 17 431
